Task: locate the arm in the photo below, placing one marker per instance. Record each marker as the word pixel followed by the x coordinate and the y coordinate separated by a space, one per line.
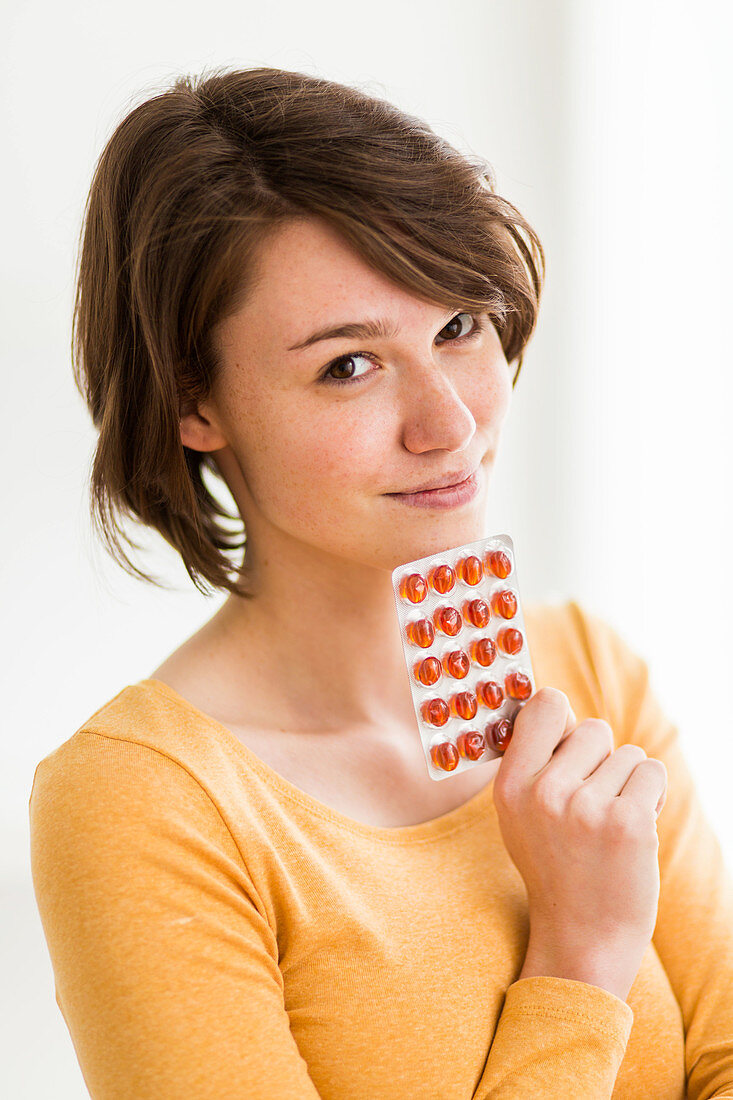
pixel 694 931
pixel 165 965
pixel 558 1037
pixel 564 1027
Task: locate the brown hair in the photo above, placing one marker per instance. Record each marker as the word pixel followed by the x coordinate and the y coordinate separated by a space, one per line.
pixel 183 194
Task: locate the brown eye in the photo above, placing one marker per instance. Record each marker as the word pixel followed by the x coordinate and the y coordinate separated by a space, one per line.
pixel 338 371
pixel 342 365
pixel 455 322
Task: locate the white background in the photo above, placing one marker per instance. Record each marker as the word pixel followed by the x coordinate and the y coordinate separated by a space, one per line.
pixel 609 125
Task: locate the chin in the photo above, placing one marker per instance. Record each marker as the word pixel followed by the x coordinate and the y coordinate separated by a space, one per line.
pixel 439 533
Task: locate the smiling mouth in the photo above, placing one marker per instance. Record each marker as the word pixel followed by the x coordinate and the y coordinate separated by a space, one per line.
pixel 448 496
pixel 458 479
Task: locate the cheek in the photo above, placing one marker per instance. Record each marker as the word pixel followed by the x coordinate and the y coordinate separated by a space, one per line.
pixel 299 453
pixel 337 446
pixel 490 393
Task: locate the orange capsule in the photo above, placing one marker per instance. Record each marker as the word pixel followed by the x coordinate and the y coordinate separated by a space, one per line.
pixel 427 671
pixel 442 578
pixel 448 620
pixel 510 640
pixel 498 563
pixel 464 705
pixel 483 651
pixel 420 632
pixel 471 744
pixel 518 685
pixel 435 712
pixel 477 612
pixel 470 570
pixel 499 734
pixel 457 664
pixel 445 756
pixel 504 603
pixel 413 587
pixel 490 694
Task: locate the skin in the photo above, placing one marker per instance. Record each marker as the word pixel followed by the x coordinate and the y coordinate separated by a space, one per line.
pixel 318 648
pixel 578 819
pixel 308 464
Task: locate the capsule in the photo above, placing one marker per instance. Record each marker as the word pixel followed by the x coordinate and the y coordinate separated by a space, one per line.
pixel 413 587
pixel 483 651
pixel 427 671
pixel 435 712
pixel 499 734
pixel 445 756
pixel 490 694
pixel 471 744
pixel 498 563
pixel 456 664
pixel 510 640
pixel 504 603
pixel 476 612
pixel 464 705
pixel 470 569
pixel 448 620
pixel 420 632
pixel 442 579
pixel 518 685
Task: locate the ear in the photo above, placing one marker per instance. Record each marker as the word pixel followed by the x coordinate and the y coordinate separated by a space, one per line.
pixel 200 433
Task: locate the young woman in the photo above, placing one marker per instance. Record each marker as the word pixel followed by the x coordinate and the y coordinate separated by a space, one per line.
pixel 249 884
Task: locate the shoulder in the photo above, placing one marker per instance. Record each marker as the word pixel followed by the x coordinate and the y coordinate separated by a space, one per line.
pixel 580 627
pixel 580 651
pixel 137 756
pixel 146 715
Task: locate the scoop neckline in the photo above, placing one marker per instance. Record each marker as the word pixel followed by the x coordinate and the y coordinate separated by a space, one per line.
pixel 457 818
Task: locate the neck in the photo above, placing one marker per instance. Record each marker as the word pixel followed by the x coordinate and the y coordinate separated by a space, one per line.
pixel 323 634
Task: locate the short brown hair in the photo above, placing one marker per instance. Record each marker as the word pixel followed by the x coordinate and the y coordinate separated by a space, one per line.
pixel 184 192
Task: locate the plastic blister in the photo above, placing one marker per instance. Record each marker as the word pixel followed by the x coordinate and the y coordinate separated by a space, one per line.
pixel 465 647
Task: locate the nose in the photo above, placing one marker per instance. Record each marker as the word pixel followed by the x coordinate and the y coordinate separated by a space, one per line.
pixel 435 418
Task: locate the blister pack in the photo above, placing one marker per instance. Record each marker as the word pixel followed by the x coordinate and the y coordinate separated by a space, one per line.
pixel 465 646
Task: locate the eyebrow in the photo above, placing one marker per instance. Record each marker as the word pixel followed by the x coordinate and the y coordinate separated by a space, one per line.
pixel 352 330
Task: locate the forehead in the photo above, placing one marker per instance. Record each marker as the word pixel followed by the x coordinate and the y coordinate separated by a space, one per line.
pixel 308 274
pixel 308 253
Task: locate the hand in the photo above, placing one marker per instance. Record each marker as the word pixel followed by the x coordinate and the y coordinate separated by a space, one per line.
pixel 578 819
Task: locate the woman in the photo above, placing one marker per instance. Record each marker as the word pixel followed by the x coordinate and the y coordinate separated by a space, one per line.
pixel 249 884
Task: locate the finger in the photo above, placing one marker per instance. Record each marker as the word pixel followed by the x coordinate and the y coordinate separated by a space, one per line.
pixel 612 774
pixel 647 784
pixel 543 722
pixel 662 799
pixel 628 772
pixel 584 749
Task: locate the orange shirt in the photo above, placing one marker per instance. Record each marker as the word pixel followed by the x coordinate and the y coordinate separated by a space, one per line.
pixel 218 934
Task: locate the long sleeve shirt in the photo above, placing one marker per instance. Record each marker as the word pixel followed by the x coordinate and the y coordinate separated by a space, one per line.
pixel 218 934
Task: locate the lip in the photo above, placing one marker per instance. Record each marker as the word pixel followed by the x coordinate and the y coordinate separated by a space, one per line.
pixel 447 482
pixel 449 496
